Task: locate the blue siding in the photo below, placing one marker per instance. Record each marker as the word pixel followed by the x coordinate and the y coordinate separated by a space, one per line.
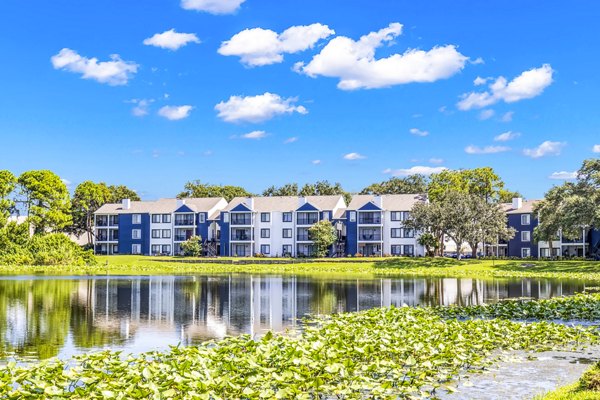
pixel 241 207
pixel 307 207
pixel 351 235
pixel 202 228
pixel 184 209
pixel 224 236
pixel 125 228
pixel 370 207
pixel 515 244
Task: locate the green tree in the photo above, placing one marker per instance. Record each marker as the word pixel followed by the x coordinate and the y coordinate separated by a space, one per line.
pixel 323 235
pixel 549 212
pixel 408 185
pixel 46 201
pixel 430 242
pixel 8 182
pixel 289 189
pixel 198 189
pixel 324 188
pixel 482 182
pixel 88 197
pixel 488 223
pixel 429 217
pixel 192 247
pixel 121 192
pixel 506 196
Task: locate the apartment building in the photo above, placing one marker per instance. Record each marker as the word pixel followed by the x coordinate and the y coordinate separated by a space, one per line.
pixel 375 225
pixel 276 226
pixel 156 227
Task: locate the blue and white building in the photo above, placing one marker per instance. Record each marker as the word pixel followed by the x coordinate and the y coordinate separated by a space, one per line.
pixel 156 227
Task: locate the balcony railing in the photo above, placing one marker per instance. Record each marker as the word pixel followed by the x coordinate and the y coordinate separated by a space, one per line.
pixel 369 220
pixel 241 219
pixel 307 220
pixel 369 237
pixel 243 237
pixel 101 222
pixel 114 236
pixel 303 237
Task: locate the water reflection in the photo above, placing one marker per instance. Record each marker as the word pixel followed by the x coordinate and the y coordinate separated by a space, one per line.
pixel 45 317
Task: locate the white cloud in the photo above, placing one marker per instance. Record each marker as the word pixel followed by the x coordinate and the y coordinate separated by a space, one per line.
pixel 115 72
pixel 175 113
pixel 291 140
pixel 507 117
pixel 212 6
pixel 596 148
pixel 529 84
pixel 256 108
pixel 256 135
pixel 506 136
pixel 486 150
pixel 258 46
pixel 141 106
pixel 354 156
pixel 545 149
pixel 478 61
pixel 418 132
pixel 354 62
pixel 563 175
pixel 416 170
pixel 486 114
pixel 480 81
pixel 67 182
pixel 436 160
pixel 171 40
pixel 316 162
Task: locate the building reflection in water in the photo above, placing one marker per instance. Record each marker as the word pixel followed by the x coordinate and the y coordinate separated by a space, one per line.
pixel 45 317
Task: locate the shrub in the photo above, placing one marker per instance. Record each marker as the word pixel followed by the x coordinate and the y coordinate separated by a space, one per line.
pixel 591 379
pixel 192 247
pixel 57 249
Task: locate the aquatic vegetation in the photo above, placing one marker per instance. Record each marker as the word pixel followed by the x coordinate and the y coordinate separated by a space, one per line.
pixel 381 353
pixel 587 388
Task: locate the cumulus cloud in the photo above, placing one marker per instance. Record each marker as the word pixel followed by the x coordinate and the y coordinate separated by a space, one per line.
pixel 353 62
pixel 529 84
pixel 563 175
pixel 256 108
pixel 418 132
pixel 291 140
pixel 256 135
pixel 486 114
pixel 175 113
pixel 486 150
pixel 547 148
pixel 171 40
pixel 596 148
pixel 480 81
pixel 506 136
pixel 141 106
pixel 354 156
pixel 416 170
pixel 258 46
pixel 212 6
pixel 115 72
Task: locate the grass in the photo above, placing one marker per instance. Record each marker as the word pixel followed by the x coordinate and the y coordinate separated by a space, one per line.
pixel 433 267
pixel 587 388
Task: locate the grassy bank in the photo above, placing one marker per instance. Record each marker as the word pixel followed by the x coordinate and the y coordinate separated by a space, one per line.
pixel 380 353
pixel 587 388
pixel 442 267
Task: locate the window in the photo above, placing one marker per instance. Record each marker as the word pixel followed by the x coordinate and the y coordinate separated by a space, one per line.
pixel 287 217
pixel 302 234
pixel 409 250
pixel 265 233
pixel 326 215
pixel 166 249
pixel 166 218
pixel 396 216
pixel 265 217
pixel 396 249
pixel 352 216
pixel 136 219
pixel 166 233
pixel 156 218
pixel 136 233
pixel 405 215
pixel 155 249
pixel 286 233
pixel 396 232
pixel 115 249
pixel 286 250
pixel 265 249
pixel 409 233
pixel 155 233
pixel 136 249
pixel 525 219
pixel 525 236
pixel 525 252
pixel 201 218
pixel 226 217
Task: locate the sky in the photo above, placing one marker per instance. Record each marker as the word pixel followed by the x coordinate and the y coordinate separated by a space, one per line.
pixel 257 93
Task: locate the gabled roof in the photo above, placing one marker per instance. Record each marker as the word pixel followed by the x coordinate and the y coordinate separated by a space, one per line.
pixel 285 203
pixel 526 208
pixel 161 206
pixel 391 202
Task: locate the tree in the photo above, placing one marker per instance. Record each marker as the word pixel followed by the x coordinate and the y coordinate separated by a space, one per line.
pixel 8 182
pixel 324 188
pixel 289 189
pixel 198 189
pixel 482 182
pixel 429 217
pixel 46 201
pixel 192 247
pixel 87 199
pixel 488 223
pixel 323 236
pixel 408 185
pixel 549 215
pixel 506 196
pixel 430 242
pixel 121 192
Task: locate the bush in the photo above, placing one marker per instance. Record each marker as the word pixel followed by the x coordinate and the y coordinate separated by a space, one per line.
pixel 58 249
pixel 192 247
pixel 591 379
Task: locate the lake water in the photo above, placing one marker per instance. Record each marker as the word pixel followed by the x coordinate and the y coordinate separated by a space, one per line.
pixel 42 317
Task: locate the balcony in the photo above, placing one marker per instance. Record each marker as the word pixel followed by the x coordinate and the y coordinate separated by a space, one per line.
pixel 184 220
pixel 369 235
pixel 369 218
pixel 304 218
pixel 114 235
pixel 101 221
pixel 303 238
pixel 113 220
pixel 241 219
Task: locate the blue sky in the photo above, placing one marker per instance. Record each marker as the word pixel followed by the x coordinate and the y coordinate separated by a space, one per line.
pixel 242 99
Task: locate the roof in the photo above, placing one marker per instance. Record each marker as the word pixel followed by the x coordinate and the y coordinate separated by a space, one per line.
pixel 526 208
pixel 388 201
pixel 285 203
pixel 160 206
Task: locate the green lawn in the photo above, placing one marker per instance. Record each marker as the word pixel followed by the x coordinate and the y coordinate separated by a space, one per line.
pixel 438 267
pixel 587 388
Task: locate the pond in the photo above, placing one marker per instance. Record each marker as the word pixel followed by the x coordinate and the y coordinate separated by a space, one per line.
pixel 42 316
